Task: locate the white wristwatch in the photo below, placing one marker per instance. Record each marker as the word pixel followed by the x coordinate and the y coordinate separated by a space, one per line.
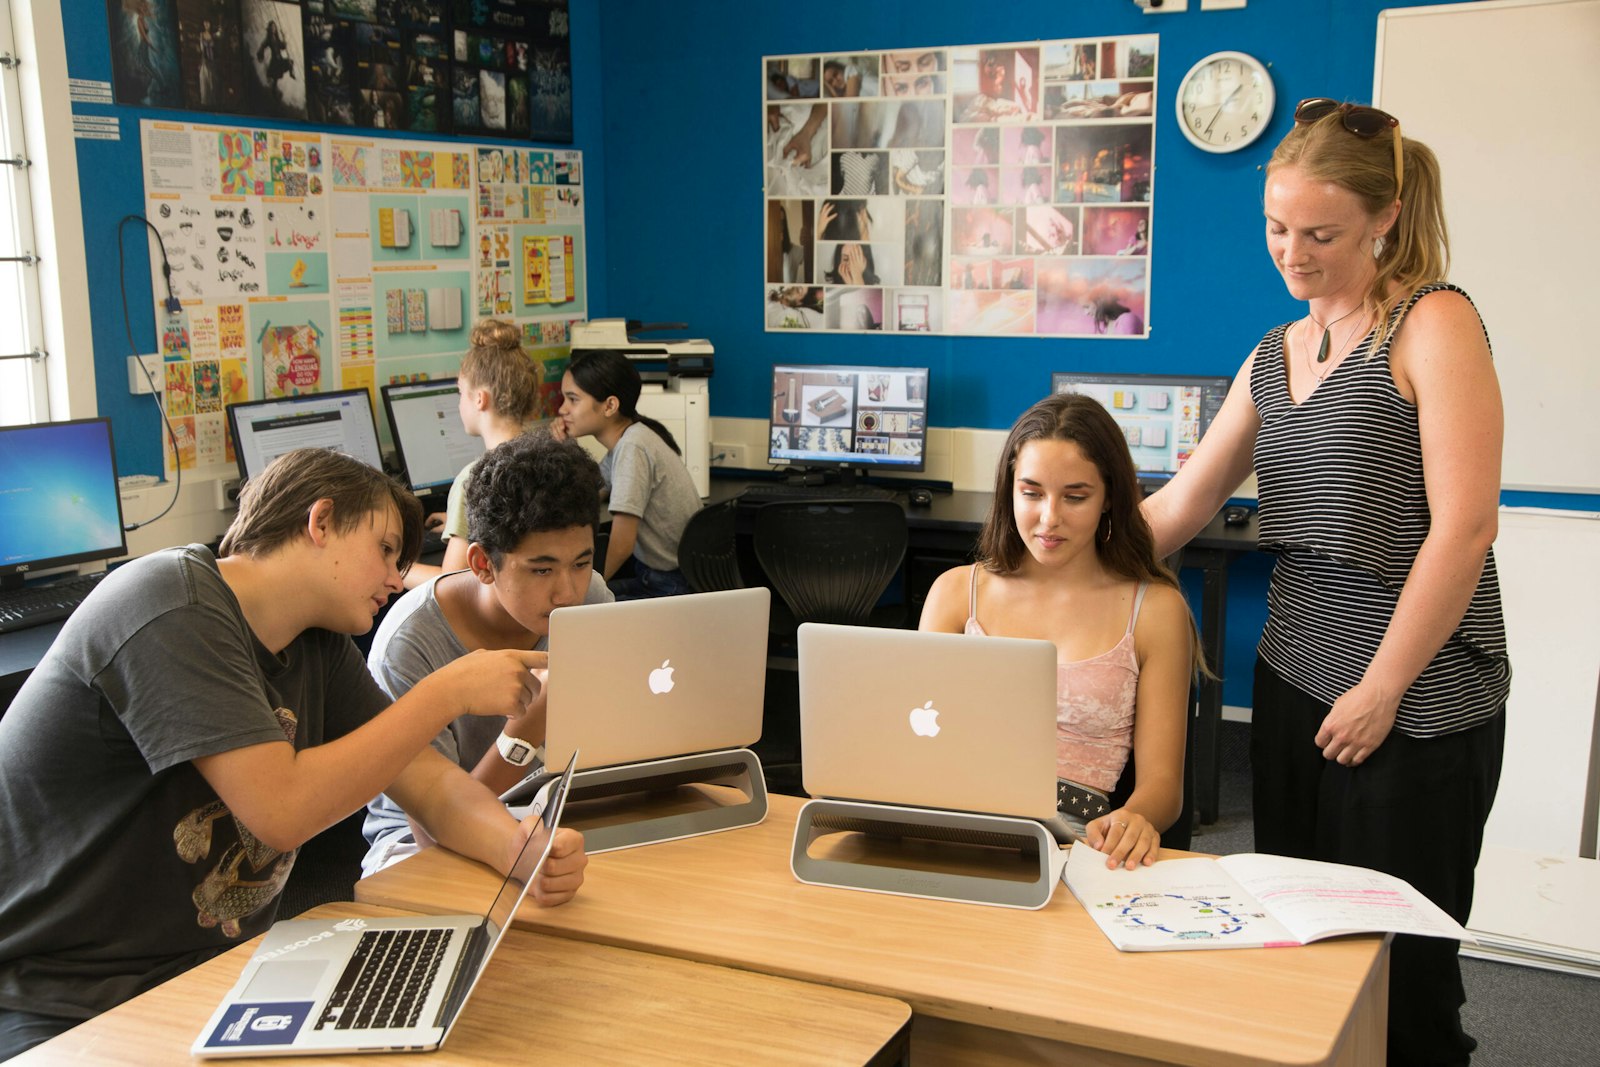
pixel 517 752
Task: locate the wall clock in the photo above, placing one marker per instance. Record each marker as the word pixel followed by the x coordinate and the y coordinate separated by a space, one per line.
pixel 1225 101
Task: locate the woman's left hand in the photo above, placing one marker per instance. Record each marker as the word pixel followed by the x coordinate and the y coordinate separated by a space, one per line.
pixel 1357 724
pixel 1126 836
pixel 852 266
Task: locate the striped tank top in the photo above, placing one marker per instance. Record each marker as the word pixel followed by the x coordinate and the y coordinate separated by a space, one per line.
pixel 1344 509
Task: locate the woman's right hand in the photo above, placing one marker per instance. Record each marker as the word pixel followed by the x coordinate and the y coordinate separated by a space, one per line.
pixel 825 216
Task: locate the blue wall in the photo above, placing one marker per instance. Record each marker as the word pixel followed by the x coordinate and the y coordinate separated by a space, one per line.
pixel 111 182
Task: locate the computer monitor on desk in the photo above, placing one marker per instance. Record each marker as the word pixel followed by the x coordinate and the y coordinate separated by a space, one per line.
pixel 59 501
pixel 1163 416
pixel 263 430
pixel 849 418
pixel 429 439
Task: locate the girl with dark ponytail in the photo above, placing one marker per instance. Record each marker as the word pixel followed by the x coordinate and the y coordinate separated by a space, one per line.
pixel 649 491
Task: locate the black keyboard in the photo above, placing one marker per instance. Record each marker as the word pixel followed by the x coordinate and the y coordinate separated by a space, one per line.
pixel 774 492
pixel 36 605
pixel 387 980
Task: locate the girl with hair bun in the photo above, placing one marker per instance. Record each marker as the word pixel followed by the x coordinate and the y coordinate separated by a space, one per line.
pixel 498 387
pixel 1374 427
pixel 649 491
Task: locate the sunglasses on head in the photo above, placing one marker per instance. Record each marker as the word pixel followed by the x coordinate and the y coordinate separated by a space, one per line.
pixel 1359 119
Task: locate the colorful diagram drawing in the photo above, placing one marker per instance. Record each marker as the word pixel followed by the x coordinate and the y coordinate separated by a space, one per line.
pixel 1180 916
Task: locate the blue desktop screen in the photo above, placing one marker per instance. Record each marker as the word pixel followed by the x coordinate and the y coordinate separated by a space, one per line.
pixel 59 501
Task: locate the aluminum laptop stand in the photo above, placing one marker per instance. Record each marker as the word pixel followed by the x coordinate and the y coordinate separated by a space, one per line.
pixel 661 815
pixel 1006 862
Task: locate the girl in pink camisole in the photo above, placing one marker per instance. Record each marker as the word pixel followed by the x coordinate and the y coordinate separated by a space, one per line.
pixel 1066 556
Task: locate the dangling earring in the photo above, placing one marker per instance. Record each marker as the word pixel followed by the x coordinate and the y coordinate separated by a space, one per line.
pixel 1377 247
pixel 1105 538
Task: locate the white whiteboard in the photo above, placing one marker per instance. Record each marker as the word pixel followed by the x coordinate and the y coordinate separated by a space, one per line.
pixel 1549 566
pixel 1505 93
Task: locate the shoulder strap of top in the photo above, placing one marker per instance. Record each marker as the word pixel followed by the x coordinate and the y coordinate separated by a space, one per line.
pixel 972 595
pixel 1400 310
pixel 1138 602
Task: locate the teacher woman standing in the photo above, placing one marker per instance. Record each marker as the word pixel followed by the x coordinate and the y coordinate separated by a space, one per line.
pixel 1374 426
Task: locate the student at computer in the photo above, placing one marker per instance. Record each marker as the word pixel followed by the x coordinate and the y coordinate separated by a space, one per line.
pixel 499 391
pixel 532 508
pixel 648 487
pixel 1066 557
pixel 199 719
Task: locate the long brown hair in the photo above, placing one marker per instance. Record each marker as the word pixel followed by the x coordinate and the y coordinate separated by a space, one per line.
pixel 496 361
pixel 1127 548
pixel 1416 250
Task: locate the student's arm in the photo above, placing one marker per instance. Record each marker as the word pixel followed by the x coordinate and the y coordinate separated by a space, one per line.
pixel 624 532
pixel 1442 360
pixel 1164 642
pixel 455 555
pixel 1221 462
pixel 945 609
pixel 463 816
pixel 286 797
pixel 492 770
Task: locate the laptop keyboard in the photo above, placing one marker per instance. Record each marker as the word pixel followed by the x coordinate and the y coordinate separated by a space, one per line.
pixel 387 979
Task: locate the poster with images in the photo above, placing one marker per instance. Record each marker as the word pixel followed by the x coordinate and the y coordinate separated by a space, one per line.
pixel 500 67
pixel 307 262
pixel 979 189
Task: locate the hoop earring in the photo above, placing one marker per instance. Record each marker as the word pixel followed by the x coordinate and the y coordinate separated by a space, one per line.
pixel 1377 247
pixel 1105 538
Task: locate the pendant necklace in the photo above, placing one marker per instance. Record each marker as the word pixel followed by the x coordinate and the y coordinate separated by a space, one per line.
pixel 1322 349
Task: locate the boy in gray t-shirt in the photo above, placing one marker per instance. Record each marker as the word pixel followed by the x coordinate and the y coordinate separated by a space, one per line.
pixel 531 507
pixel 198 719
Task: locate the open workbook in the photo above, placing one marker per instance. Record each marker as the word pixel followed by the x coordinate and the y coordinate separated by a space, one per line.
pixel 1246 901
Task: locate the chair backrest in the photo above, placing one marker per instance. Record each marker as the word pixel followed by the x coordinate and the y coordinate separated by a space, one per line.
pixel 831 560
pixel 707 552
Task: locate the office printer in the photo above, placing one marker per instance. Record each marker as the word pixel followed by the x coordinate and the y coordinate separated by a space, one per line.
pixel 677 389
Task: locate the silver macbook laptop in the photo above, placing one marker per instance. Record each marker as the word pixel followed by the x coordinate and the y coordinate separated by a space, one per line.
pixel 647 679
pixel 945 721
pixel 372 985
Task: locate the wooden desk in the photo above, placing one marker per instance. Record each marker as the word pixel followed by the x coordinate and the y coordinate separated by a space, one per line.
pixel 945 534
pixel 988 985
pixel 546 999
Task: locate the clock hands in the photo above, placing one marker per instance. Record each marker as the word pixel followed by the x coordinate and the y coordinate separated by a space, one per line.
pixel 1223 107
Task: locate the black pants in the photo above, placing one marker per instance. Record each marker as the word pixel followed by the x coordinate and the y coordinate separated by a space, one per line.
pixel 1415 809
pixel 21 1030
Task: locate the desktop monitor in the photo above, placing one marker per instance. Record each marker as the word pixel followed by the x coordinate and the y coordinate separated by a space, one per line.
pixel 263 430
pixel 1163 416
pixel 432 445
pixel 59 500
pixel 851 418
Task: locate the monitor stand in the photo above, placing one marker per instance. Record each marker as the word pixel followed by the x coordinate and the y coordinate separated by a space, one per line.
pixel 925 852
pixel 662 800
pixel 846 478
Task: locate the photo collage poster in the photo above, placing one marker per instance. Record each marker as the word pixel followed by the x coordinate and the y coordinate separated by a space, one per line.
pixel 490 67
pixel 980 190
pixel 307 262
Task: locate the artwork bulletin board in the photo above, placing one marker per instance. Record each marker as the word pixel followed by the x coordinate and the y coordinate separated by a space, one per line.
pixel 984 190
pixel 308 262
pixel 497 67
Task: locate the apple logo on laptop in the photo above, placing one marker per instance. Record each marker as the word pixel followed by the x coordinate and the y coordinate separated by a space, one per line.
pixel 925 720
pixel 661 678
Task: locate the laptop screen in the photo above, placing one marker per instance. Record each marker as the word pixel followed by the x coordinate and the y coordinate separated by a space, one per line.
pixel 504 908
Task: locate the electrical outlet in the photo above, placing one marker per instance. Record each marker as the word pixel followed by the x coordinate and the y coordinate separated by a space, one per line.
pixel 227 493
pixel 138 384
pixel 727 455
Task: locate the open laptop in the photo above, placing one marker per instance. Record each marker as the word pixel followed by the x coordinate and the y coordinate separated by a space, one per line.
pixel 946 721
pixel 647 679
pixel 372 985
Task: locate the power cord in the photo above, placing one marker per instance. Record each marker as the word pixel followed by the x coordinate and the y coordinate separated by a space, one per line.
pixel 173 306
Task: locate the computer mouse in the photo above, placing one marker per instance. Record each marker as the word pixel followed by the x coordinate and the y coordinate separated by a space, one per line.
pixel 1235 515
pixel 920 497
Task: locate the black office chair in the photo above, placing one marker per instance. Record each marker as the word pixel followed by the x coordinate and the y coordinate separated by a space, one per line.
pixel 1181 833
pixel 829 561
pixel 708 553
